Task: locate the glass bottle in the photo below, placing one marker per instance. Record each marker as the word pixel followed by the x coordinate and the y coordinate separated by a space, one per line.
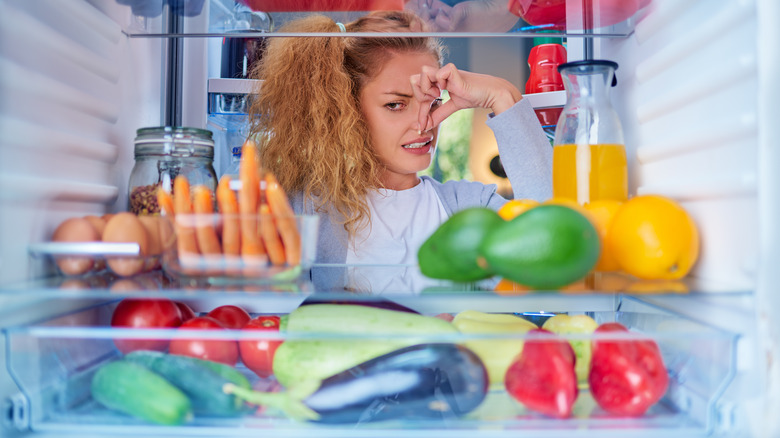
pixel 161 154
pixel 589 156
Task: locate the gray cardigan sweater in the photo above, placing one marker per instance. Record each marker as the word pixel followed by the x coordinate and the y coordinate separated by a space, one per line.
pixel 525 153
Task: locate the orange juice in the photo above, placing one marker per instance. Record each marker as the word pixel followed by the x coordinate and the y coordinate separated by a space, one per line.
pixel 602 166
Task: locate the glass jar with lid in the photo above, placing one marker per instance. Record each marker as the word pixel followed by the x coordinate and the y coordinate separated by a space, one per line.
pixel 161 154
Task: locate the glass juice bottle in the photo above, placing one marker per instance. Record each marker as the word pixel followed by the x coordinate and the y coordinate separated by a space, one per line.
pixel 589 156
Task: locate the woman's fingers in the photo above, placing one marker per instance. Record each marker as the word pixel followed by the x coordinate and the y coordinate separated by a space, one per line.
pixel 427 87
pixel 426 94
pixel 440 113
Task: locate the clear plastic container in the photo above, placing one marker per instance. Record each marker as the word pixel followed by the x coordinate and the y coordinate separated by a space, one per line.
pixel 285 263
pixel 161 154
pixel 54 361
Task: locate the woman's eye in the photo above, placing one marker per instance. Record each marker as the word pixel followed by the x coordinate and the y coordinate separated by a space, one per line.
pixel 436 103
pixel 395 106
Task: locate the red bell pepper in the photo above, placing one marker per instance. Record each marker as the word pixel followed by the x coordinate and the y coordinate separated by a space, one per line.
pixel 627 376
pixel 542 377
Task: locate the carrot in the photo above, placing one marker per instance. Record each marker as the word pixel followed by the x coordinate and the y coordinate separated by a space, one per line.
pixel 284 218
pixel 203 206
pixel 165 202
pixel 182 203
pixel 270 236
pixel 248 195
pixel 231 227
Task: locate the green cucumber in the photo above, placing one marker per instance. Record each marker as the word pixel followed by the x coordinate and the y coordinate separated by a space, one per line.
pixel 296 361
pixel 135 390
pixel 199 381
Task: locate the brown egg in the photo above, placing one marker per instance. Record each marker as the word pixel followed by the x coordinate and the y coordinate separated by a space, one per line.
pixel 127 228
pixel 75 230
pixel 152 225
pixel 100 224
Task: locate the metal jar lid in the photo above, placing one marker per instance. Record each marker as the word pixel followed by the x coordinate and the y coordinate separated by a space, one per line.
pixel 174 141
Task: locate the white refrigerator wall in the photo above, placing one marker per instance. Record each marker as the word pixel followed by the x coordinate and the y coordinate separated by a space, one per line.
pixel 697 94
pixel 74 89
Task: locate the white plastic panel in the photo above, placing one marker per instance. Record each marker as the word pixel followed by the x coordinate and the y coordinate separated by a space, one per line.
pixel 73 90
pixel 688 95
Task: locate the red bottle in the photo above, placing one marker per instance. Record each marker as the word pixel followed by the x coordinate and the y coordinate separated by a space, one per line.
pixel 544 60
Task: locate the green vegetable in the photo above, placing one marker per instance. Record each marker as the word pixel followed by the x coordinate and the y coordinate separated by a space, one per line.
pixel 450 253
pixel 296 361
pixel 496 354
pixel 544 248
pixel 135 390
pixel 198 379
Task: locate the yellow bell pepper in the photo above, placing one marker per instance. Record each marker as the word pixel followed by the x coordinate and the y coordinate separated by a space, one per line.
pixel 576 324
pixel 496 354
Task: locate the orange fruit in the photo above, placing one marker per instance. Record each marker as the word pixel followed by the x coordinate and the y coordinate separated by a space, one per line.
pixel 509 287
pixel 658 287
pixel 516 206
pixel 566 202
pixel 602 212
pixel 653 238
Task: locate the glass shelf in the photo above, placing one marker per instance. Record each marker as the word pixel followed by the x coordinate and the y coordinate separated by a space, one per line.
pixel 401 281
pixel 263 18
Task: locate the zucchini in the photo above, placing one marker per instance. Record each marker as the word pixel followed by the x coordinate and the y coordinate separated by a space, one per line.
pixel 316 359
pixel 130 388
pixel 198 380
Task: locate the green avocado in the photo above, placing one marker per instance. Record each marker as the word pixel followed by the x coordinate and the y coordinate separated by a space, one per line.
pixel 450 253
pixel 546 247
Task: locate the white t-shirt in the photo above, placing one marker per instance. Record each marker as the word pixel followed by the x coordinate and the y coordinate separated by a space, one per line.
pixel 400 222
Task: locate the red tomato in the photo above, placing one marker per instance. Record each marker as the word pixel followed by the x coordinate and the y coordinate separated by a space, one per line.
pixel 627 376
pixel 232 317
pixel 218 350
pixel 258 354
pixel 543 377
pixel 145 313
pixel 186 311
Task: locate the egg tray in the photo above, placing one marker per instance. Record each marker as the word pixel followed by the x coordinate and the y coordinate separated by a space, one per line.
pixel 83 259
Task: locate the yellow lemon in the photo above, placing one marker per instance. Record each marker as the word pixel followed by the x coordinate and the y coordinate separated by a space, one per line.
pixel 516 206
pixel 652 237
pixel 602 212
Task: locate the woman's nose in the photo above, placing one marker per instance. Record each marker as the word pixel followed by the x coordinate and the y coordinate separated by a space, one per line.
pixel 421 114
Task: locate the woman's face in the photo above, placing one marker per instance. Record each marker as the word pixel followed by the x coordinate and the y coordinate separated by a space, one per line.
pixel 391 112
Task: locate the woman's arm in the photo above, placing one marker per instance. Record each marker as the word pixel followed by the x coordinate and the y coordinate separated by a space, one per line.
pixel 525 151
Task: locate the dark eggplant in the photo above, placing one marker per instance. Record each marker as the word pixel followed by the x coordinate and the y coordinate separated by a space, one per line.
pixel 435 381
pixel 426 381
pixel 380 303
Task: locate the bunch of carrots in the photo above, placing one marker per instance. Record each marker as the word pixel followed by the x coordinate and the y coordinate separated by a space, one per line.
pixel 257 224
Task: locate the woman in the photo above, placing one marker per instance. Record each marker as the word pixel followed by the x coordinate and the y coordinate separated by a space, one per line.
pixel 346 124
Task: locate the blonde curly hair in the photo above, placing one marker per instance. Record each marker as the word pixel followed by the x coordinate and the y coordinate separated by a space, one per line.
pixel 307 119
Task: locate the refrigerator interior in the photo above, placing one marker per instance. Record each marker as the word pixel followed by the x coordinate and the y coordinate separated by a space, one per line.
pixel 696 94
